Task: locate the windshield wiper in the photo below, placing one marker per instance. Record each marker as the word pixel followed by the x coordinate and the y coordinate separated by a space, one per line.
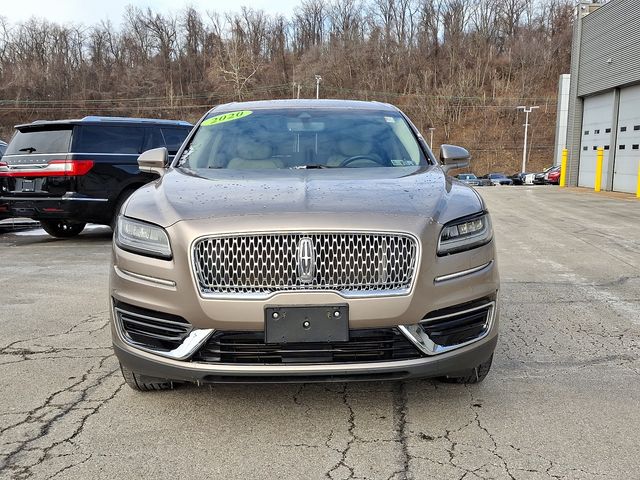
pixel 28 150
pixel 311 166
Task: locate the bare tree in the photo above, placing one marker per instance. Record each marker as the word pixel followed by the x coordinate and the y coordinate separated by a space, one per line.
pixel 453 64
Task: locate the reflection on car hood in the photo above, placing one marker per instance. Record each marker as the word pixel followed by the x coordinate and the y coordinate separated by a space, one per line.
pixel 407 191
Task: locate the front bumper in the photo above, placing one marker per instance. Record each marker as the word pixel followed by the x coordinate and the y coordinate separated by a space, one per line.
pixel 454 363
pixel 186 364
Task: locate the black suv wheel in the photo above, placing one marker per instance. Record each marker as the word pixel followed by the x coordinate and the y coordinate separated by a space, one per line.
pixel 62 228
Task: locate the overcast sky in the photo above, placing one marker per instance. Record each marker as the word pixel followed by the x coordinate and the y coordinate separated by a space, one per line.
pixel 92 11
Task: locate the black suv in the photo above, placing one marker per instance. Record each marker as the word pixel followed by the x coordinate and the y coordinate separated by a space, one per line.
pixel 68 173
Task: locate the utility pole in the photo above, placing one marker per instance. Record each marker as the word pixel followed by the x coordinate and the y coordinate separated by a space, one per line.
pixel 527 111
pixel 431 129
pixel 318 80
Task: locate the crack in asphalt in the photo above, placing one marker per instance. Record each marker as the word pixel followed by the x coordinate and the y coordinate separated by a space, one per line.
pixel 351 422
pixel 475 408
pixel 400 398
pixel 73 329
pixel 36 417
pixel 73 465
pixel 455 448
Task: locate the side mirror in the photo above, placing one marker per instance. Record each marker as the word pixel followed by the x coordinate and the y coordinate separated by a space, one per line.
pixel 452 156
pixel 153 161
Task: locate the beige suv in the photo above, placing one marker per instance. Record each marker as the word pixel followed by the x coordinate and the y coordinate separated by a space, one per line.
pixel 308 240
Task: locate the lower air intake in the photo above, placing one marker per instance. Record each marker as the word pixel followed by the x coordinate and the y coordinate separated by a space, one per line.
pixel 154 330
pixel 455 329
pixel 364 345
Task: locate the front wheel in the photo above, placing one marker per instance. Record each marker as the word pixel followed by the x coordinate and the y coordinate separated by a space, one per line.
pixel 142 383
pixel 62 228
pixel 477 375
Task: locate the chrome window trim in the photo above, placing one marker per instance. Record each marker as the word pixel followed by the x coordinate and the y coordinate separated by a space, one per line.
pixel 54 199
pixel 196 338
pixel 70 153
pixel 35 154
pixel 420 339
pixel 341 293
pixel 76 199
pixel 462 273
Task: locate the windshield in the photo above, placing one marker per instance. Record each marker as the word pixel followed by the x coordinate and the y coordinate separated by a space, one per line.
pixel 40 141
pixel 295 138
pixel 468 176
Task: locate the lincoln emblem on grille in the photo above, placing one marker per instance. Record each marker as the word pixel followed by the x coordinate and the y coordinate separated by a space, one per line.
pixel 306 260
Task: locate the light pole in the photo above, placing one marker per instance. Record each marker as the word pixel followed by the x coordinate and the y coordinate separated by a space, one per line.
pixel 527 111
pixel 318 80
pixel 431 129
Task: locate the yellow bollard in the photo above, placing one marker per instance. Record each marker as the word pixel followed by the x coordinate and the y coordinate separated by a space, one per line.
pixel 563 168
pixel 638 187
pixel 599 160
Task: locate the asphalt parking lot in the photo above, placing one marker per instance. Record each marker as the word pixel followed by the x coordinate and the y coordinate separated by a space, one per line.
pixel 562 400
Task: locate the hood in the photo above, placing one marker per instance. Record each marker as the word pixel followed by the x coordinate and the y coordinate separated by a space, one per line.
pixel 424 192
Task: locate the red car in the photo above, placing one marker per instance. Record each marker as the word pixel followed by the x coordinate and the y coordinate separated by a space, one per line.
pixel 553 176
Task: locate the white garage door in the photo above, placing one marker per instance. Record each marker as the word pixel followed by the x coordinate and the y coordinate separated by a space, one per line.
pixel 596 132
pixel 625 167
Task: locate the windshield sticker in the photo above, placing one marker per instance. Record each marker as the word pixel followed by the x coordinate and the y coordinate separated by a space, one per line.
pixel 226 117
pixel 389 120
pixel 402 163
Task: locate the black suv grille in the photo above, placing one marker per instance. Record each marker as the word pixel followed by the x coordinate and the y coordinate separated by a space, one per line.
pixel 364 345
pixel 155 330
pixel 457 328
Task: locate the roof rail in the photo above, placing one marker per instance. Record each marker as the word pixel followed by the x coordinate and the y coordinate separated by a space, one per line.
pixel 96 118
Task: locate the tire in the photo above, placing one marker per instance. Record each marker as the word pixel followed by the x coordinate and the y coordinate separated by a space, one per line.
pixel 62 228
pixel 477 375
pixel 142 383
pixel 121 199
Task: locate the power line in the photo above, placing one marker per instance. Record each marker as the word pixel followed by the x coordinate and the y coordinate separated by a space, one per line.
pixel 204 95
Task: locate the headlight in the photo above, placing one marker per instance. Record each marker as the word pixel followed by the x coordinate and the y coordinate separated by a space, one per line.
pixel 142 237
pixel 465 233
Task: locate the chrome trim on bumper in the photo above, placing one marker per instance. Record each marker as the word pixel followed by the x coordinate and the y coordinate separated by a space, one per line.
pixel 187 348
pixel 343 294
pixel 421 340
pixel 463 273
pixel 137 277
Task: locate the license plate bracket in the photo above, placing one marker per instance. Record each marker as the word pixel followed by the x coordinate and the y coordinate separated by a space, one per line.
pixel 309 323
pixel 28 186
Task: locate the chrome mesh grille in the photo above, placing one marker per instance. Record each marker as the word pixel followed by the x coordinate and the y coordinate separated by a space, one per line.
pixel 262 264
